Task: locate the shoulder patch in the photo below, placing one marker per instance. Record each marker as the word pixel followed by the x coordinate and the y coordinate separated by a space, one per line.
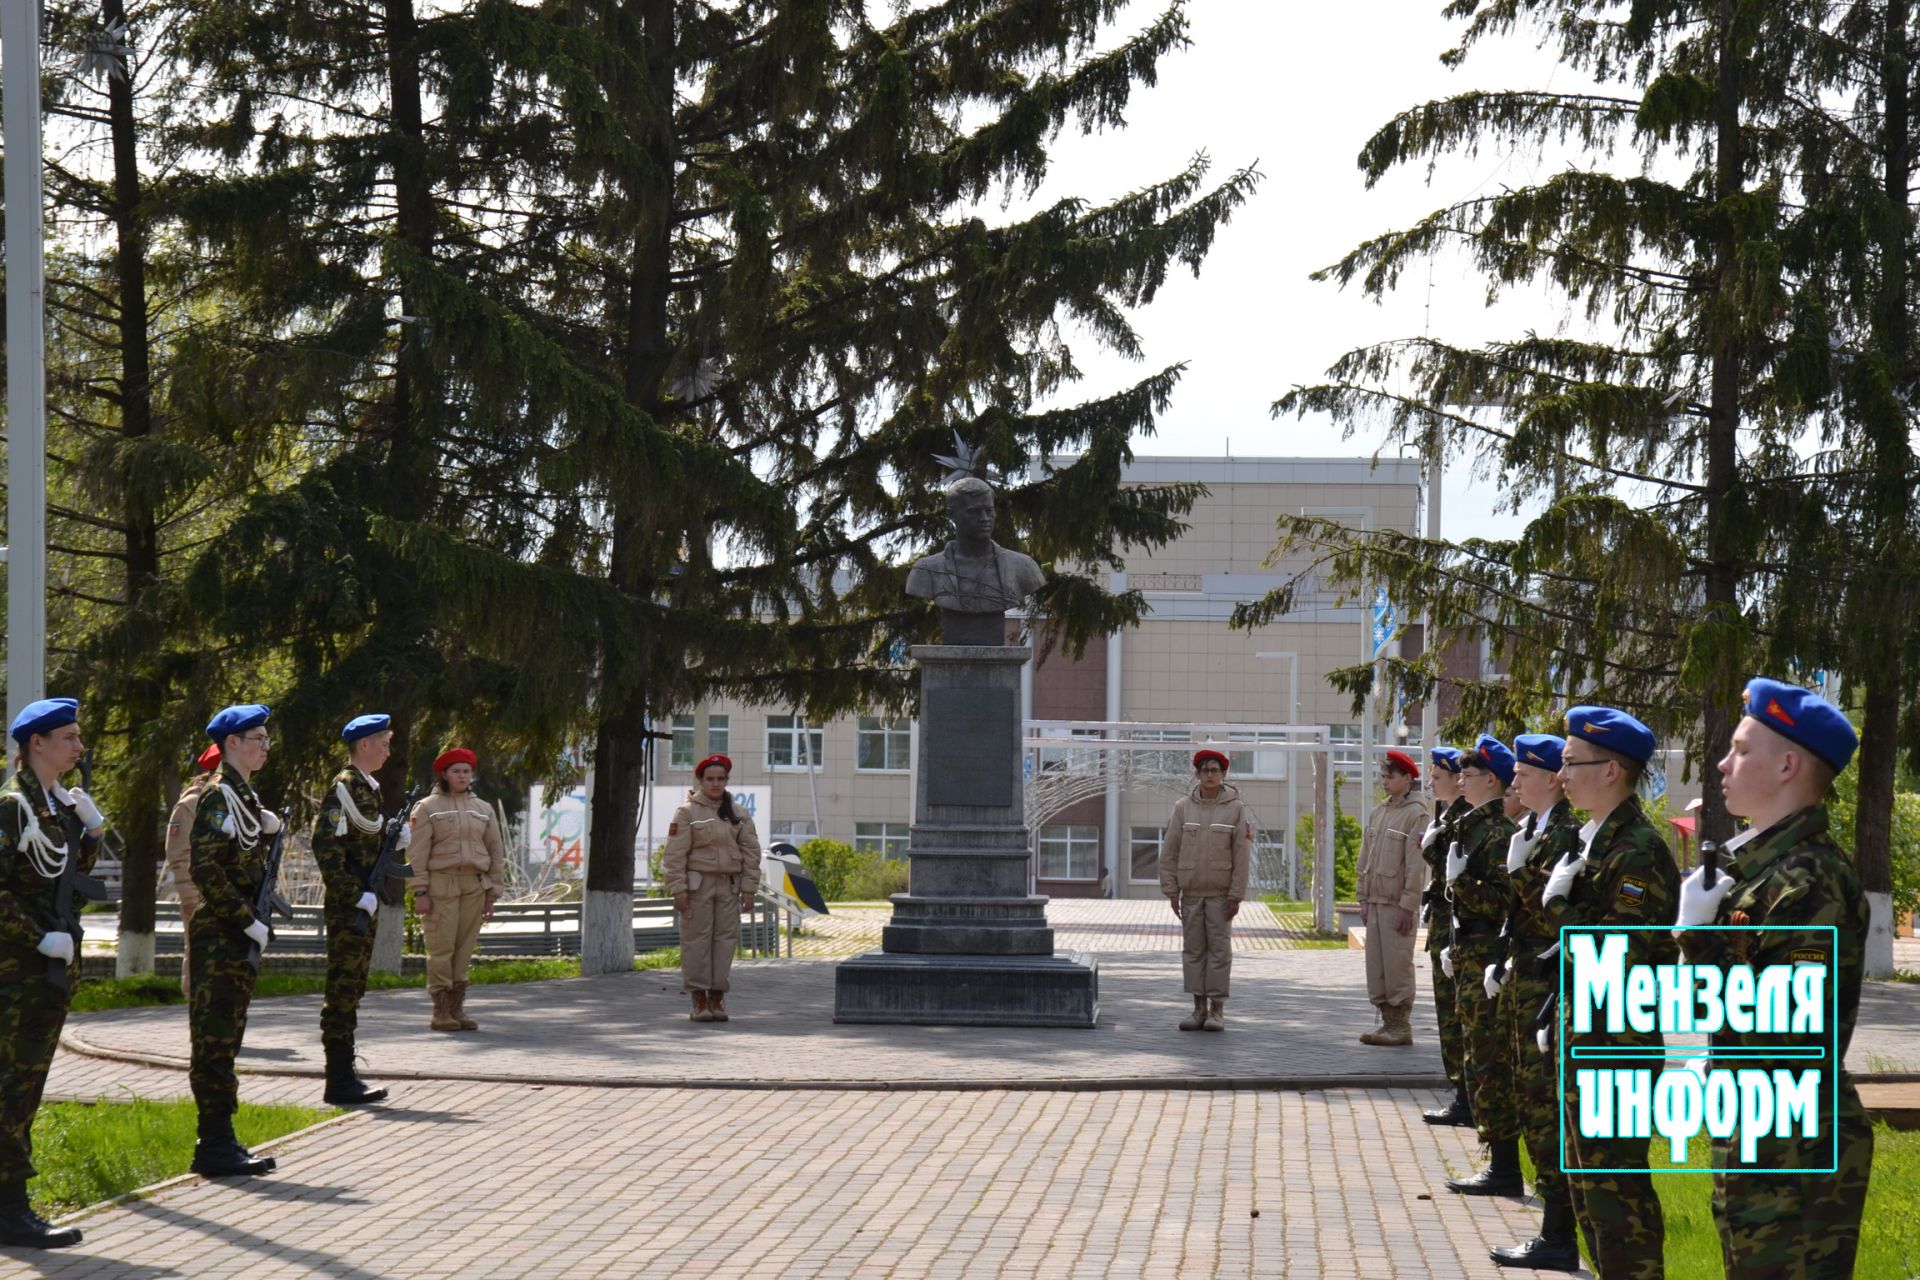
pixel 1633 891
pixel 1807 955
pixel 673 828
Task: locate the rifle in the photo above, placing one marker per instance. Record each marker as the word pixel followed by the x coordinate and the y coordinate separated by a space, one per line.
pixel 73 881
pixel 386 866
pixel 1709 862
pixel 1512 921
pixel 268 902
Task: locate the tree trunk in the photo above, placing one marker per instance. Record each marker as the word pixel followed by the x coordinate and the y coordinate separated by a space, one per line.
pixel 619 756
pixel 143 796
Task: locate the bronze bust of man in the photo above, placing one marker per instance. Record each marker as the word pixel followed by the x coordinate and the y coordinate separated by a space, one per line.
pixel 973 579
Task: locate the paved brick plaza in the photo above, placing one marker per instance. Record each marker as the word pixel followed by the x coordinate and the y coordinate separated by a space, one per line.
pixel 1081 1169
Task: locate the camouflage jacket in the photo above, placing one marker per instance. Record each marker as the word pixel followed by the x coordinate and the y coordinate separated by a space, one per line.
pixel 227 853
pixel 26 896
pixel 1483 893
pixel 1630 879
pixel 1439 923
pixel 1792 874
pixel 346 854
pixel 1529 933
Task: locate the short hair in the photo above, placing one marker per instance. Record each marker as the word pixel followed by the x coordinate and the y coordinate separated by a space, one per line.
pixel 967 487
pixel 1634 770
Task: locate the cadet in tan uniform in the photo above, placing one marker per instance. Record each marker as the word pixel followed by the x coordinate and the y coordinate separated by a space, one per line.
pixel 180 848
pixel 1389 876
pixel 712 868
pixel 1205 859
pixel 458 870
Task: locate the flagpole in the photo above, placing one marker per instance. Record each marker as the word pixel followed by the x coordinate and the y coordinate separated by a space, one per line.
pixel 26 552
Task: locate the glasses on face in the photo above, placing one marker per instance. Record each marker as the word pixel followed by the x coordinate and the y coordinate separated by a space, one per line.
pixel 1581 764
pixel 257 739
pixel 1211 768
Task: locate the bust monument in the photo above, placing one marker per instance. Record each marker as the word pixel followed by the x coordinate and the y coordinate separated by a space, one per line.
pixel 973 579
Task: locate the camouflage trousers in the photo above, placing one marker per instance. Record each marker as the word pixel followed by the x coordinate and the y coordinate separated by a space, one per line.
pixel 222 988
pixel 349 955
pixel 1536 1081
pixel 1452 1047
pixel 1489 1052
pixel 31 1015
pixel 1785 1226
pixel 1619 1213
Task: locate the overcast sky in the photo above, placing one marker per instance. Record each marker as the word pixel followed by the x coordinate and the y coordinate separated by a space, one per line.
pixel 1298 88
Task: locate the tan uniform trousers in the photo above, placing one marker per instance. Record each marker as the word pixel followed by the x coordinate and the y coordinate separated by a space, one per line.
pixel 453 929
pixel 1389 956
pixel 1207 958
pixel 709 932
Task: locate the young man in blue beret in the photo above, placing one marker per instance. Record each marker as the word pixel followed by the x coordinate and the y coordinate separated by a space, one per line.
pixel 1481 893
pixel 1524 982
pixel 347 836
pixel 44 829
pixel 1449 806
pixel 1623 874
pixel 1786 869
pixel 232 836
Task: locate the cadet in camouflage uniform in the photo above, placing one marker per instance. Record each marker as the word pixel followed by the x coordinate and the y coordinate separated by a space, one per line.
pixel 1448 808
pixel 1525 983
pixel 1623 874
pixel 346 843
pixel 232 836
pixel 1481 895
pixel 43 829
pixel 1787 870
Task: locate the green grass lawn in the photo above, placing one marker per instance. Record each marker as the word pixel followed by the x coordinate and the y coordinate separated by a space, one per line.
pixel 89 1152
pixel 94 995
pixel 1889 1231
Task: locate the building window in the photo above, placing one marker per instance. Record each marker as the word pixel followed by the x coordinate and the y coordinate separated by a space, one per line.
pixel 1144 853
pixel 1346 743
pixel 1255 763
pixel 719 735
pixel 682 754
pixel 882 744
pixel 789 746
pixel 888 839
pixel 1069 853
pixel 795 831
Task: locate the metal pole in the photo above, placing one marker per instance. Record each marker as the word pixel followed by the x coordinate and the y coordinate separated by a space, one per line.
pixel 1430 710
pixel 26 359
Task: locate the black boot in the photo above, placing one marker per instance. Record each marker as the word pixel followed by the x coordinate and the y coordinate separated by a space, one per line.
pixel 218 1154
pixel 22 1228
pixel 1501 1177
pixel 1554 1249
pixel 344 1087
pixel 1457 1112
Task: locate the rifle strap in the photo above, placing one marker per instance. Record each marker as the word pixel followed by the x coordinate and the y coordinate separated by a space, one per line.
pixel 48 859
pixel 350 813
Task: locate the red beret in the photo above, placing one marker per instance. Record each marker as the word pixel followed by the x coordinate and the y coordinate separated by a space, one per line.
pixel 209 759
pixel 1202 756
pixel 710 761
pixel 453 756
pixel 1404 763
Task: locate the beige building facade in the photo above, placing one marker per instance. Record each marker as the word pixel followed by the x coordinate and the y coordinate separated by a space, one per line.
pixel 852 779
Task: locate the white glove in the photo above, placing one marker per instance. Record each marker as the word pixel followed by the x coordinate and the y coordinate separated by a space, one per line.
pixel 368 903
pixel 1446 961
pixel 1543 1039
pixel 406 837
pixel 1700 1066
pixel 58 946
pixel 1520 848
pixel 1699 904
pixel 258 932
pixel 1456 862
pixel 1560 883
pixel 1496 978
pixel 1428 836
pixel 270 822
pixel 82 805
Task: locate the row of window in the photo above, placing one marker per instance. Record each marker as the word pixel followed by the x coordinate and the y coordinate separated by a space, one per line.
pixel 792 744
pixel 1067 851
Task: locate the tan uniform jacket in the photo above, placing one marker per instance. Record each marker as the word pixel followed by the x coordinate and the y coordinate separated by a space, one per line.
pixel 1208 849
pixel 1391 869
pixel 703 841
pixel 457 835
pixel 180 845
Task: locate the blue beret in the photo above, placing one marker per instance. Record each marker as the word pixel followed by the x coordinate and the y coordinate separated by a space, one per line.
pixel 1541 750
pixel 237 719
pixel 44 716
pixel 363 726
pixel 1615 730
pixel 1491 754
pixel 1800 716
pixel 1447 758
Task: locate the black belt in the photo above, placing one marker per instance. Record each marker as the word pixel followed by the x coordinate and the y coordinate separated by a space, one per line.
pixel 1475 929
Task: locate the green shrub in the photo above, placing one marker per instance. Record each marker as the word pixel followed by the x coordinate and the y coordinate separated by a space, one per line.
pixel 1347 836
pixel 877 879
pixel 832 864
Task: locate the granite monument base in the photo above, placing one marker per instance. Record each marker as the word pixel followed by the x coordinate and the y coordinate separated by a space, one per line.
pixel 1060 990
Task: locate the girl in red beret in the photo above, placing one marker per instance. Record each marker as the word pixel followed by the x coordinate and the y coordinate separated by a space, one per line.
pixel 712 868
pixel 459 867
pixel 1205 860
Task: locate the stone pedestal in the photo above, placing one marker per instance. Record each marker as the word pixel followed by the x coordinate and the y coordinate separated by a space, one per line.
pixel 968 945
